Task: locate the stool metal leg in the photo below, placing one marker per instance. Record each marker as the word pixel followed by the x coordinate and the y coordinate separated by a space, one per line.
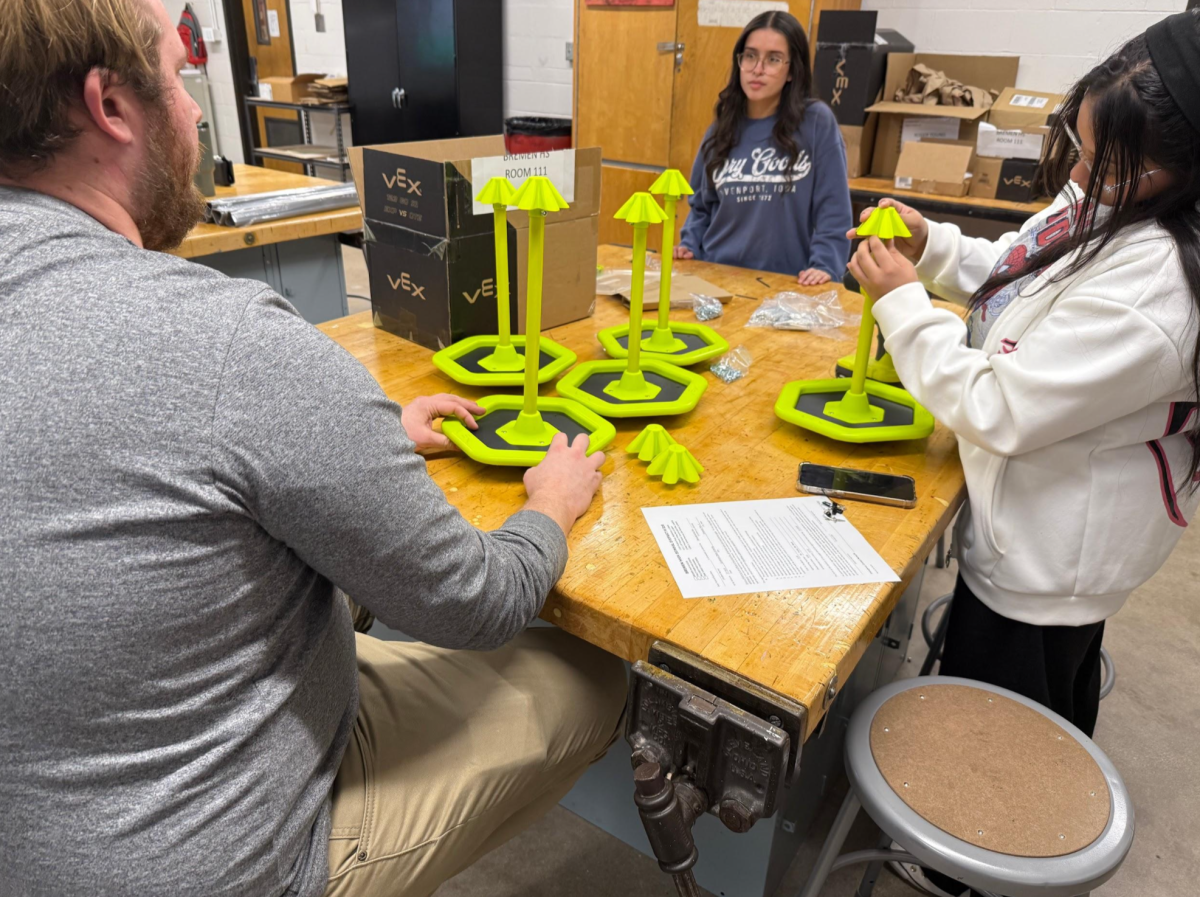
pixel 867 885
pixel 833 845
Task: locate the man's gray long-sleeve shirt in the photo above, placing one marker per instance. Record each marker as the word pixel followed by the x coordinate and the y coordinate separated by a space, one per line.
pixel 188 474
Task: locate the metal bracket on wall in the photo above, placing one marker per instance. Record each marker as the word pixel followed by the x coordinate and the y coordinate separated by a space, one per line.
pixel 399 97
pixel 705 739
pixel 672 47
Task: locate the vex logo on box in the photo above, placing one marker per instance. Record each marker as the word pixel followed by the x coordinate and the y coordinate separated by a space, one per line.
pixel 401 181
pixel 1018 181
pixel 840 83
pixel 406 283
pixel 487 290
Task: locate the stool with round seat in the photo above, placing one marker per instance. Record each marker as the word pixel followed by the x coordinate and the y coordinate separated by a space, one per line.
pixel 984 786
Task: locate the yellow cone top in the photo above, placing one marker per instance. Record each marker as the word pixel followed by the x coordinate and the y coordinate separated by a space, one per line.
pixel 885 223
pixel 641 208
pixel 538 194
pixel 671 183
pixel 497 192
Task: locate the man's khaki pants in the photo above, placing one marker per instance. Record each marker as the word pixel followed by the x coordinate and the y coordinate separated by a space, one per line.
pixel 455 752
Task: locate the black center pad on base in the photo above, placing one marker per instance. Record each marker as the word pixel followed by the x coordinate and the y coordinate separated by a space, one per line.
pixel 894 414
pixel 470 361
pixel 692 342
pixel 670 390
pixel 494 420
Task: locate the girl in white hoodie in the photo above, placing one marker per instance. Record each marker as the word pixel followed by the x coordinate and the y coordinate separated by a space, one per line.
pixel 1072 383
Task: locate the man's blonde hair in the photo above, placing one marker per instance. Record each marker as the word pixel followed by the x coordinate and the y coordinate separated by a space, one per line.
pixel 47 49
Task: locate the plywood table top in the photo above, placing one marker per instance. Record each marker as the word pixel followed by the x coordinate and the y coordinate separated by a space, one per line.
pixel 206 239
pixel 617 591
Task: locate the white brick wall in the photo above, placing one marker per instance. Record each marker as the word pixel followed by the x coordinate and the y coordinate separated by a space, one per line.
pixel 318 51
pixel 220 76
pixel 537 76
pixel 1057 40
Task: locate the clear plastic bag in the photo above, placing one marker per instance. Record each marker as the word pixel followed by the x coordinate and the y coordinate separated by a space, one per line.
pixel 822 313
pixel 706 307
pixel 733 365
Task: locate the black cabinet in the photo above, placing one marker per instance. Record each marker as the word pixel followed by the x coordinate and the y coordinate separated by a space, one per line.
pixel 424 69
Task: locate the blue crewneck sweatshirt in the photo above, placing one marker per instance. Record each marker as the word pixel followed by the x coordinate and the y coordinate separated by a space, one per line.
pixel 751 216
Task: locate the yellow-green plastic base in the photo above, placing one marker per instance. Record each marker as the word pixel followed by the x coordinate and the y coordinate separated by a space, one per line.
pixel 880 369
pixel 694 386
pixel 716 344
pixel 602 433
pixel 785 409
pixel 446 361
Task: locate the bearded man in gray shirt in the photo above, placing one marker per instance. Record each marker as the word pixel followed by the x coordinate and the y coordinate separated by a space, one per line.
pixel 189 475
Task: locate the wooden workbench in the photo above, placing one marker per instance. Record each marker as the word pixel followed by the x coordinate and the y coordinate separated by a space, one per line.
pixel 617 591
pixel 871 190
pixel 208 239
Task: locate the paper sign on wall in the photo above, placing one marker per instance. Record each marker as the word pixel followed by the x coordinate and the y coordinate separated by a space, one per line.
pixel 734 13
pixel 273 23
pixel 935 128
pixel 558 166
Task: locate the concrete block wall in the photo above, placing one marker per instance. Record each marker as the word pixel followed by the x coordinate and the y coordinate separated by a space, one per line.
pixel 1057 40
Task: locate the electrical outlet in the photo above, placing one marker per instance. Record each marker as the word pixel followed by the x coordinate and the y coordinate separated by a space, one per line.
pixel 570 51
pixel 210 35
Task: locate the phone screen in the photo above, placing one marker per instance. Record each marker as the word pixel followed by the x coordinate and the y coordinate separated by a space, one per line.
pixel 841 479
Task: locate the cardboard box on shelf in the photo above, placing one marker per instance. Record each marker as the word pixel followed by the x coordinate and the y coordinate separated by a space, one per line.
pixel 1017 108
pixel 286 89
pixel 1009 179
pixel 942 167
pixel 850 61
pixel 860 144
pixel 430 255
pixel 988 72
pixel 1017 125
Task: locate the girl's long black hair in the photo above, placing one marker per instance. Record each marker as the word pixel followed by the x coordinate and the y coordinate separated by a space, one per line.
pixel 731 104
pixel 1133 119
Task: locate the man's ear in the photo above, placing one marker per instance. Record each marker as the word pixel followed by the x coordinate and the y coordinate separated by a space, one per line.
pixel 110 105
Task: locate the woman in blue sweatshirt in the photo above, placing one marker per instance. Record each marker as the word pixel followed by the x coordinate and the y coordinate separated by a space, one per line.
pixel 770 177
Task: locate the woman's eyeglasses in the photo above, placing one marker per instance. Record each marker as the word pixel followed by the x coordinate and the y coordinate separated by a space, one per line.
pixel 772 63
pixel 1107 188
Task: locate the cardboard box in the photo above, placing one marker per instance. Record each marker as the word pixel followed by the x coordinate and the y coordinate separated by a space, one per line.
pixel 1018 108
pixel 1017 125
pixel 850 61
pixel 1010 179
pixel 988 72
pixel 860 144
pixel 286 89
pixel 1017 143
pixel 431 259
pixel 943 168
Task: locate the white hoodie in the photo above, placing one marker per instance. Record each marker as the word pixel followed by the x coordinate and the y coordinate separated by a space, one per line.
pixel 1074 418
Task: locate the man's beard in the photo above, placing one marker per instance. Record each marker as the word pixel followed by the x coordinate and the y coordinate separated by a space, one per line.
pixel 166 204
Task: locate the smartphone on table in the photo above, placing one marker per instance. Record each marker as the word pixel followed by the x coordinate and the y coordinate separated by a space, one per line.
pixel 857 485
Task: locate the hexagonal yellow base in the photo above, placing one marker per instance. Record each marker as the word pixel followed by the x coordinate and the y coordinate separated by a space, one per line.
pixel 679 388
pixel 700 341
pixel 492 442
pixel 901 417
pixel 460 361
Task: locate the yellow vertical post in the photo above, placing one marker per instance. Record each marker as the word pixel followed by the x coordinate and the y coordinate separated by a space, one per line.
pixel 533 308
pixel 668 259
pixel 500 216
pixel 862 356
pixel 636 298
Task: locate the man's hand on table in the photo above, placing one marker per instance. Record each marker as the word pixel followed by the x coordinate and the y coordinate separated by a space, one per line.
pixel 562 486
pixel 419 414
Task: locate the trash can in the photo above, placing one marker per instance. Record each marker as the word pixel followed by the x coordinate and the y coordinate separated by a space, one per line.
pixel 536 135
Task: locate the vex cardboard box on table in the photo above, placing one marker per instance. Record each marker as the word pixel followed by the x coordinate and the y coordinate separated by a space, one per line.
pixel 901 123
pixel 1017 125
pixel 430 250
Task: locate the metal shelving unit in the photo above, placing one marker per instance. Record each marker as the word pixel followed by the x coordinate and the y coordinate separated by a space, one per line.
pixel 339 159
